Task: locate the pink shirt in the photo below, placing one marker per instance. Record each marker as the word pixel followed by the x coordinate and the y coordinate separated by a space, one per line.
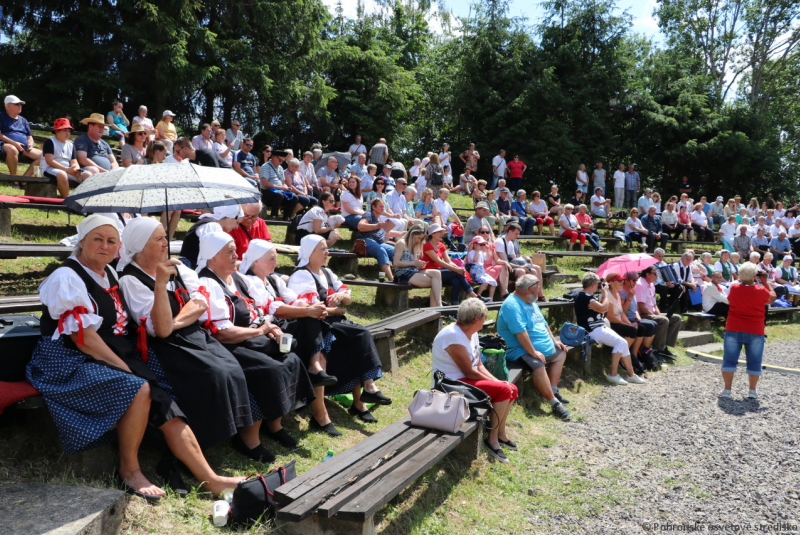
pixel 645 293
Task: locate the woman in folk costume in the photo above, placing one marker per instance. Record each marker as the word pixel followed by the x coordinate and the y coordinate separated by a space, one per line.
pixel 275 380
pixel 352 357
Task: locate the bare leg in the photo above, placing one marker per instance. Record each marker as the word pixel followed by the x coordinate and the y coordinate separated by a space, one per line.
pixel 636 345
pixel 626 361
pixel 62 184
pixel 482 288
pixel 332 237
pixel 318 407
pixel 555 367
pixel 552 229
pixel 317 363
pixel 387 269
pixel 491 291
pixel 184 446
pixel 494 421
pixel 615 358
pixel 753 379
pixel 357 403
pixel 274 426
pixel 541 382
pixel 250 436
pixel 130 430
pixel 502 280
pixel 648 342
pixel 12 157
pixel 501 429
pixel 728 378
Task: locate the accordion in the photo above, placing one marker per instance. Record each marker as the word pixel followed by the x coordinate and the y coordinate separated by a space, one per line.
pixel 667 275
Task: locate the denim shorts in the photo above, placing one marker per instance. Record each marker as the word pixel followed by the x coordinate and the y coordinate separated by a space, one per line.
pixel 753 350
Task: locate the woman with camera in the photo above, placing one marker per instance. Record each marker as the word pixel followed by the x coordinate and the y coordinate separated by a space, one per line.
pixel 745 326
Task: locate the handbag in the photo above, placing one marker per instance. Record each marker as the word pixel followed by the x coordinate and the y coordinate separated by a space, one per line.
pixel 436 410
pixel 360 247
pixel 253 497
pixel 477 398
pixel 575 336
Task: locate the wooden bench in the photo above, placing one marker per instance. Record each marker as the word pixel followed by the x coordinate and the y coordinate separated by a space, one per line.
pixel 612 243
pixel 425 322
pixel 21 303
pixel 341 495
pixel 388 294
pixel 701 321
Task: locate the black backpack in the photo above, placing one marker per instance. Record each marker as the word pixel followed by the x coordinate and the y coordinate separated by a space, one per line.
pixel 649 361
pixel 492 341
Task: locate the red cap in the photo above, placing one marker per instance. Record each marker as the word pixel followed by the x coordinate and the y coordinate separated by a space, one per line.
pixel 61 124
pixel 615 277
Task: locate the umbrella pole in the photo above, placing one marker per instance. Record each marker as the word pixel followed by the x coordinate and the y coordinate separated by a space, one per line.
pixel 169 220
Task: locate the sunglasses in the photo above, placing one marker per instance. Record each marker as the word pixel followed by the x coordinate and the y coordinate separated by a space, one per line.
pixel 141 133
pixel 485 232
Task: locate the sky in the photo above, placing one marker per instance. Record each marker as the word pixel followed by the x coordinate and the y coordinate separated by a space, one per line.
pixel 641 11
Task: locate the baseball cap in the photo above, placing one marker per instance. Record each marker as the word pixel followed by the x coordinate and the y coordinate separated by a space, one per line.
pixel 417 160
pixel 720 198
pixel 167 112
pixel 13 99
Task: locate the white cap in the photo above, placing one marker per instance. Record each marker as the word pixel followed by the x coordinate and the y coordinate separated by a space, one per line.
pixel 13 99
pixel 167 112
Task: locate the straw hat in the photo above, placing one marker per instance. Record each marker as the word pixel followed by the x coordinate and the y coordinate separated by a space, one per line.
pixel 94 118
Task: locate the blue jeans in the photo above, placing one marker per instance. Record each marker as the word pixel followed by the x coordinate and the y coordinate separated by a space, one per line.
pixel 630 198
pixel 379 251
pixel 527 224
pixel 753 350
pixel 352 221
pixel 458 283
pixel 584 188
pixel 593 239
pixel 493 182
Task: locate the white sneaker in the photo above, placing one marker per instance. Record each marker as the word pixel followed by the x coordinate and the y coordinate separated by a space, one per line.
pixel 635 379
pixel 616 380
pixel 753 394
pixel 725 393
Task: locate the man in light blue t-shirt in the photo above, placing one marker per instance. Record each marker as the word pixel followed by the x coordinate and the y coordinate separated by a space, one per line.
pixel 529 340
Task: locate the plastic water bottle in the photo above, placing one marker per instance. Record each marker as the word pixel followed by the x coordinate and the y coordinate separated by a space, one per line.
pixel 328 456
pixel 221 511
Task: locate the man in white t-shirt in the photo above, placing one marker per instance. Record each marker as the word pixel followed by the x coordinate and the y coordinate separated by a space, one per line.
pixel 356 148
pixel 234 136
pixel 446 211
pixel 182 151
pixel 601 207
pixel 619 186
pixel 498 168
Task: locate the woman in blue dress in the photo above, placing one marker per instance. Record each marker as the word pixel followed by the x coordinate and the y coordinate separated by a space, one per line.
pixel 85 369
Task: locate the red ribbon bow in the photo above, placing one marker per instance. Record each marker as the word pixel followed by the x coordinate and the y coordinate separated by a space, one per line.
pixel 75 313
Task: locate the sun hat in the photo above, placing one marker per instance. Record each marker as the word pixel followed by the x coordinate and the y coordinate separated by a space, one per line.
pixel 434 228
pixel 96 118
pixel 62 124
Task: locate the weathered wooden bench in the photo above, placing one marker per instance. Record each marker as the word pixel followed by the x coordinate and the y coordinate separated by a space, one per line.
pixel 678 246
pixel 425 322
pixel 388 294
pixel 612 243
pixel 20 303
pixel 341 495
pixel 700 321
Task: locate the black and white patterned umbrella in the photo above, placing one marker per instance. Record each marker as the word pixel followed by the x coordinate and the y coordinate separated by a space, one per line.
pixel 162 187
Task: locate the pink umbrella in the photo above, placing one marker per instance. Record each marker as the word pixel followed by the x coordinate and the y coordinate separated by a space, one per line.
pixel 624 263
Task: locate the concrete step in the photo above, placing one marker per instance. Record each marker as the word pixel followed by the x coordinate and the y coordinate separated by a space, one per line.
pixel 27 508
pixel 708 348
pixel 572 286
pixel 695 338
pixel 563 278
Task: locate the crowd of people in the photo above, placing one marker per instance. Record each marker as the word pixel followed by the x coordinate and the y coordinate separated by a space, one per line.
pixel 196 347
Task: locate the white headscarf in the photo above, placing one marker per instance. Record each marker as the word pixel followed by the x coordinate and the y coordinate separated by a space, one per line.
pixel 255 250
pixel 92 222
pixel 307 246
pixel 229 210
pixel 134 237
pixel 210 245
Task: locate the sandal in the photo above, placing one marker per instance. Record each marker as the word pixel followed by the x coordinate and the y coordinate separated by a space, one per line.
pixel 168 471
pixel 150 498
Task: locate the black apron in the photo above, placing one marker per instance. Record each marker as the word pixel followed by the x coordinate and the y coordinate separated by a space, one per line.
pixel 275 380
pixel 162 407
pixel 209 383
pixel 353 353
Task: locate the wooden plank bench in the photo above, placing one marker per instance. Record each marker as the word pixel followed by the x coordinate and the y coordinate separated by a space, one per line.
pixel 341 495
pixel 425 322
pixel 612 243
pixel 22 303
pixel 18 250
pixel 388 294
pixel 699 321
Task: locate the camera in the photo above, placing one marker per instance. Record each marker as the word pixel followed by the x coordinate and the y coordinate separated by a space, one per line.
pixel 603 284
pixel 761 273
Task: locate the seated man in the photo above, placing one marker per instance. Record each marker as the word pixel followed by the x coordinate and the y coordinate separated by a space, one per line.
pixel 507 247
pixel 447 214
pixel 15 137
pixel 667 291
pixel 251 227
pixel 467 182
pixel 655 232
pixel 182 151
pixel 780 246
pixel 668 327
pixel 529 339
pixel 91 149
pixel 245 162
pixel 715 296
pixel 274 191
pixel 476 221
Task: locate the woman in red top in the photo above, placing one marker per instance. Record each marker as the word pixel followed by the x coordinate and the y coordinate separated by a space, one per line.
pixel 745 326
pixel 516 168
pixel 435 253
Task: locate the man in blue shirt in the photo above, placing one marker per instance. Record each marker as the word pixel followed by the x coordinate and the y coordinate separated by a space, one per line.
pixel 632 184
pixel 530 342
pixel 360 167
pixel 91 149
pixel 646 201
pixel 780 246
pixel 652 223
pixel 15 137
pixel 519 209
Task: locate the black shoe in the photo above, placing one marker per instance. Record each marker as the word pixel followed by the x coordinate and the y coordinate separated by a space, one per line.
pixel 496 453
pixel 322 379
pixel 375 397
pixel 658 356
pixel 485 299
pixel 562 399
pixel 667 353
pixel 150 498
pixel 168 471
pixel 328 428
pixel 364 416
pixel 259 453
pixel 508 444
pixel 283 438
pixel 560 412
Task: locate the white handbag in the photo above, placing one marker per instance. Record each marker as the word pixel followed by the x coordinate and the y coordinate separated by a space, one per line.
pixel 436 410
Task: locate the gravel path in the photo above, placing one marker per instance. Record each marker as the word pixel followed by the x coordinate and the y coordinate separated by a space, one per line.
pixel 687 460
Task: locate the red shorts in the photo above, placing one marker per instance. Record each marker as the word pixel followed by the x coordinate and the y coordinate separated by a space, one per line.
pixel 497 390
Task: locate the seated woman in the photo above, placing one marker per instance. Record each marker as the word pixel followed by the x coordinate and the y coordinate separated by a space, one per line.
pixel 589 313
pixel 352 203
pixel 352 357
pixel 700 224
pixel 426 208
pixel 379 192
pixel 203 375
pixel 706 269
pixel 435 254
pixel 579 198
pixel 634 230
pixel 409 266
pixel 276 380
pixel 724 265
pixel 554 201
pixel 297 184
pixel 457 354
pixel 221 147
pixel 766 266
pixel 476 257
pixel 84 367
pixel 479 193
pixel 495 267
pixel 569 227
pixel 538 210
pixel 634 333
pixel 601 207
pixel 316 221
pixel 134 152
pixel 374 233
pixel 684 224
pixel 785 276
